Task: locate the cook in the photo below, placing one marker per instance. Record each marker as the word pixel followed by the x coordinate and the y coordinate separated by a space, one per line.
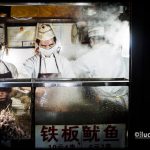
pixel 47 62
pixel 104 61
pixel 7 70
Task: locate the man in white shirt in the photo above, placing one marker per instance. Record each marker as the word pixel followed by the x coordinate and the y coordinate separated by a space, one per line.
pixel 7 70
pixel 47 62
pixel 104 61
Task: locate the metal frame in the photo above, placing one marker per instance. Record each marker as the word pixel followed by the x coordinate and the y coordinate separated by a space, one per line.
pixel 48 3
pixel 33 82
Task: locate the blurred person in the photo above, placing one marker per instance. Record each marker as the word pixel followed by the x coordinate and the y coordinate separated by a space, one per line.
pixel 5 100
pixel 7 70
pixel 104 61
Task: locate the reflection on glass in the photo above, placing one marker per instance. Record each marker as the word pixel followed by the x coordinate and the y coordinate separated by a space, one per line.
pixel 15 117
pixel 56 102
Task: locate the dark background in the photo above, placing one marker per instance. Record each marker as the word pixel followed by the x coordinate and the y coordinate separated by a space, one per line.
pixel 140 77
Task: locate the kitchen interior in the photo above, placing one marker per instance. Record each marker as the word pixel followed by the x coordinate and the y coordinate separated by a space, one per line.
pixel 18 23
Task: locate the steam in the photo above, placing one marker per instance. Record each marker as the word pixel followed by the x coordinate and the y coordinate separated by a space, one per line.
pixel 116 32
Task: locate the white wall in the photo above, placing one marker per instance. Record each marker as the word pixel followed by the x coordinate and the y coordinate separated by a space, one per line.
pixel 18 56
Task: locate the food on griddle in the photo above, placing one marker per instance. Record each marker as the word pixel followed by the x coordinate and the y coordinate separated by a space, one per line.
pixel 26 101
pixel 9 127
pixel 24 97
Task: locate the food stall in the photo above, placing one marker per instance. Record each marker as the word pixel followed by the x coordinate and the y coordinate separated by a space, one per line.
pixel 87 110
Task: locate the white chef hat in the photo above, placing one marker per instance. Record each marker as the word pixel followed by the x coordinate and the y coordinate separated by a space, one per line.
pixel 44 32
pixel 96 31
